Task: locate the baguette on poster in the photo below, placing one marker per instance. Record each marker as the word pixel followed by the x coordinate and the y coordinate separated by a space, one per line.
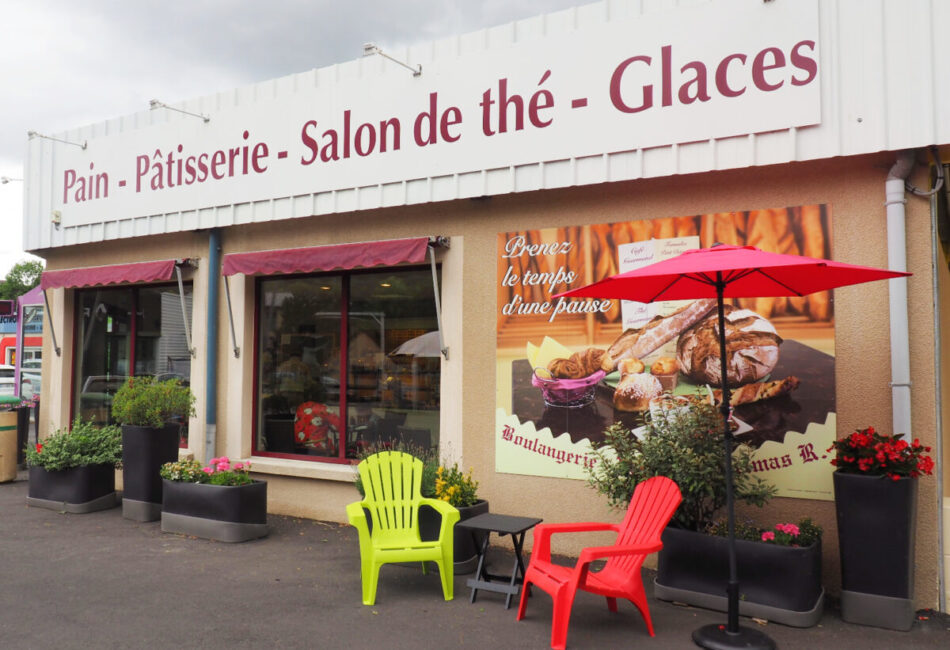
pixel 759 391
pixel 638 343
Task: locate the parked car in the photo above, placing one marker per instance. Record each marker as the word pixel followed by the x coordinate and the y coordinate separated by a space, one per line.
pixel 95 398
pixel 31 376
pixel 7 387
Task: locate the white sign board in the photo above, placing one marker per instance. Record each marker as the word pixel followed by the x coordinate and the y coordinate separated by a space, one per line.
pixel 683 76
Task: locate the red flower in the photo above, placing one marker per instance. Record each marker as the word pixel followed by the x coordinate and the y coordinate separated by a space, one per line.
pixel 866 451
pixel 39 447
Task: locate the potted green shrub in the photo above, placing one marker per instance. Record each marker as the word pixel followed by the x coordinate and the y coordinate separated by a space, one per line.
pixel 685 444
pixel 218 501
pixel 74 470
pixel 151 414
pixel 876 499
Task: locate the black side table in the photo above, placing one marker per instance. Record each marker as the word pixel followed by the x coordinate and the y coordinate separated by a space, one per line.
pixel 503 525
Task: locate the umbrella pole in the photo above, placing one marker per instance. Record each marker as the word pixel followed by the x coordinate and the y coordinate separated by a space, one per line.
pixel 731 635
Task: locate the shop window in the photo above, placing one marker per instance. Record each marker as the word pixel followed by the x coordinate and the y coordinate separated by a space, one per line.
pixel 346 361
pixel 111 344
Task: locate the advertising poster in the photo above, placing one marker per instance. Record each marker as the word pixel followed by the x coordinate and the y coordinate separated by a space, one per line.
pixel 567 368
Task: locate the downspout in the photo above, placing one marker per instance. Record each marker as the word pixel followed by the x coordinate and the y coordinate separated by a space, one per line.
pixel 211 369
pixel 897 261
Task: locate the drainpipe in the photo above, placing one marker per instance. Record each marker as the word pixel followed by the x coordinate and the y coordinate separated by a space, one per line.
pixel 897 261
pixel 211 370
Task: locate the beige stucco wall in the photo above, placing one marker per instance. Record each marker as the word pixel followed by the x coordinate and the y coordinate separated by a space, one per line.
pixel 854 188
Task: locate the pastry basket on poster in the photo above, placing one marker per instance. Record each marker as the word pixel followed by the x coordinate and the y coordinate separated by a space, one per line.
pixel 566 393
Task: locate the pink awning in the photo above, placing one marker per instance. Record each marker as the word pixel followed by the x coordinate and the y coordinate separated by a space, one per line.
pixel 327 258
pixel 113 274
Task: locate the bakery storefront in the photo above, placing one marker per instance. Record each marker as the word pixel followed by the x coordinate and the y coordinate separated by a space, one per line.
pixel 358 254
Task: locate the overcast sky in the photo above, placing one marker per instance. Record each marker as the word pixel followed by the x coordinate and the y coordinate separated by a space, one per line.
pixel 69 63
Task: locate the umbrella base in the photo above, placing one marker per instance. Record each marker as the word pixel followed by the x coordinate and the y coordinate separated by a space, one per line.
pixel 715 637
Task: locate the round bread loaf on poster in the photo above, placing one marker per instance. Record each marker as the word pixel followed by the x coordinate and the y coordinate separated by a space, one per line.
pixel 752 348
pixel 634 392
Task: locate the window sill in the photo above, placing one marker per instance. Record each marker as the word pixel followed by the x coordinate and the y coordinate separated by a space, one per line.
pixel 303 469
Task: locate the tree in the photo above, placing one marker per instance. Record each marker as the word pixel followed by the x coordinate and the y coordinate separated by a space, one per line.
pixel 22 277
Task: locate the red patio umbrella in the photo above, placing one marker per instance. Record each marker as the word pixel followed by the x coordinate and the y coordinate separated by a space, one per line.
pixel 729 272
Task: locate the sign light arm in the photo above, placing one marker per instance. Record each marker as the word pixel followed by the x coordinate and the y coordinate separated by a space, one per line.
pixel 36 134
pixel 154 103
pixel 370 49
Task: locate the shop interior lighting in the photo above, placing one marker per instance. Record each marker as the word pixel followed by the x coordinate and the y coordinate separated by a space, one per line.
pixel 154 103
pixel 6 179
pixel 369 49
pixel 36 134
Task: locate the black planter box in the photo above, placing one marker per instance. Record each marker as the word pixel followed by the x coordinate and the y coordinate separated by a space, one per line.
pixel 144 451
pixel 77 490
pixel 227 513
pixel 876 535
pixel 778 583
pixel 465 553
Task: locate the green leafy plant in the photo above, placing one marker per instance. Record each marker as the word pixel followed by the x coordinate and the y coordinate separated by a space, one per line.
pixel 803 534
pixel 85 444
pixel 684 444
pixel 875 454
pixel 183 471
pixel 455 487
pixel 219 471
pixel 144 402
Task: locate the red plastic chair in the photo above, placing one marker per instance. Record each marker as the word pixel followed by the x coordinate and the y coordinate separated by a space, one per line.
pixel 650 510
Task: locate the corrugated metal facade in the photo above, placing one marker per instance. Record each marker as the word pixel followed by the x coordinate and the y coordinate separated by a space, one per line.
pixel 881 89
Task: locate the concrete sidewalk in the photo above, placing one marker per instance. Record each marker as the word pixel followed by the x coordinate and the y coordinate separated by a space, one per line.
pixel 100 581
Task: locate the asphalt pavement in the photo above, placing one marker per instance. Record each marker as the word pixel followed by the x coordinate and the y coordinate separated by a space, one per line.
pixel 99 581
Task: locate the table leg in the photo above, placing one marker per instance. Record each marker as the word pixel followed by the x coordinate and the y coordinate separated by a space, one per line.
pixel 518 570
pixel 480 571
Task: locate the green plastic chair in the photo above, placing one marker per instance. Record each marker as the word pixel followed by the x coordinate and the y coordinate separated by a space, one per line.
pixel 392 483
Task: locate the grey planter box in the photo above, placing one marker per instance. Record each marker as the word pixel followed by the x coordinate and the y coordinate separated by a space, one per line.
pixel 777 583
pixel 144 451
pixel 227 513
pixel 876 540
pixel 77 490
pixel 464 551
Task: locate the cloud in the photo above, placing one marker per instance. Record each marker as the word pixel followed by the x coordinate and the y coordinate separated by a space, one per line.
pixel 68 64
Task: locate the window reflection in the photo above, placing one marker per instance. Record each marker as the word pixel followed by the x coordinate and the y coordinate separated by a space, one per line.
pixel 371 333
pixel 111 344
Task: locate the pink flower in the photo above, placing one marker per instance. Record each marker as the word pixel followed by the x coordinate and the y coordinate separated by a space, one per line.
pixel 223 467
pixel 768 537
pixel 238 466
pixel 207 470
pixel 790 529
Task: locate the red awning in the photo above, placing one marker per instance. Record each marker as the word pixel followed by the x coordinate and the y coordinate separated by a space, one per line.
pixel 327 258
pixel 112 274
